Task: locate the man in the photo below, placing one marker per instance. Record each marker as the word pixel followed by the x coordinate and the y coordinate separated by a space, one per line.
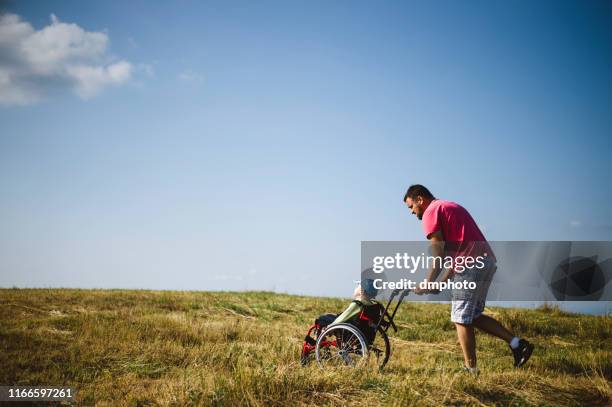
pixel 453 232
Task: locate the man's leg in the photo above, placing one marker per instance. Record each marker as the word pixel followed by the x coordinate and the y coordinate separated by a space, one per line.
pixel 467 340
pixel 491 326
pixel 521 348
pixel 462 314
pixel 469 311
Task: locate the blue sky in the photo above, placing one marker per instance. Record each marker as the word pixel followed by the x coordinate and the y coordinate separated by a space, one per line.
pixel 254 145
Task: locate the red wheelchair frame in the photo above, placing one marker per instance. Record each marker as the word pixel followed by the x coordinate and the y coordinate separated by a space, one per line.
pixel 373 319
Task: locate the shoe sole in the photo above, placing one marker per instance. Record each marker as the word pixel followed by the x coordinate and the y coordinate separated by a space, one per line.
pixel 526 355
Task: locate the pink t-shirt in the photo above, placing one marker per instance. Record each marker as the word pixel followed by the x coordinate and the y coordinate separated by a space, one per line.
pixel 459 230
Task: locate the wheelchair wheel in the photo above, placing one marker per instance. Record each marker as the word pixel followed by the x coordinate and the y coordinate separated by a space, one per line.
pixel 380 350
pixel 341 345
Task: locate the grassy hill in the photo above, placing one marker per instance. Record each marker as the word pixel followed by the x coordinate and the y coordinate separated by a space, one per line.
pixel 124 347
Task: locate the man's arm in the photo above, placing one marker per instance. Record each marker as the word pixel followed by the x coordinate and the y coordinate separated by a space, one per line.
pixel 437 250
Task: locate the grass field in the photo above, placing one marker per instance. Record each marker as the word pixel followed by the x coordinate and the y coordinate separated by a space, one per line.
pixel 123 347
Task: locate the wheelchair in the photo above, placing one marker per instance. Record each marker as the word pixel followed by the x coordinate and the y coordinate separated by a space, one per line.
pixel 360 341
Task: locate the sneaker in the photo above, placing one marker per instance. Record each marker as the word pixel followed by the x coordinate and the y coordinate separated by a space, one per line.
pixel 522 353
pixel 470 370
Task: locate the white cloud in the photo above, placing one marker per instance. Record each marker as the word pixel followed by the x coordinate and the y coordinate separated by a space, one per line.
pixel 191 78
pixel 575 223
pixel 60 55
pixel 90 79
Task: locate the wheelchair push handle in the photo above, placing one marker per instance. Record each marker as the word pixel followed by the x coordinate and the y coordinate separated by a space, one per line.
pixel 394 293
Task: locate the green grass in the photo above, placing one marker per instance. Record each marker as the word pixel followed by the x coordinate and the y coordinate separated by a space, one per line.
pixel 141 348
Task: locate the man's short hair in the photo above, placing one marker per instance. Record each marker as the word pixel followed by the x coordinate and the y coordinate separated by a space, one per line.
pixel 418 190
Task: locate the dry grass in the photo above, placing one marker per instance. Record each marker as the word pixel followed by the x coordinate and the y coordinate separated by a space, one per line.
pixel 120 347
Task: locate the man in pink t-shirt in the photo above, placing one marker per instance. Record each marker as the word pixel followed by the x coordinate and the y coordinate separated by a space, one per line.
pixel 453 232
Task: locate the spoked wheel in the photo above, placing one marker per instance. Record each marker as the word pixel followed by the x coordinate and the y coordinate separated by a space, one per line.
pixel 341 345
pixel 379 350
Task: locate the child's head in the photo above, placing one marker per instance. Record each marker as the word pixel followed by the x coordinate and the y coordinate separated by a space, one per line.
pixel 365 291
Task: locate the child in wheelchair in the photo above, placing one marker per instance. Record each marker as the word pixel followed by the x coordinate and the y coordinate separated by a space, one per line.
pixel 363 312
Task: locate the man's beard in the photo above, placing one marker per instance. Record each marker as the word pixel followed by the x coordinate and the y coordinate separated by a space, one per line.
pixel 420 217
